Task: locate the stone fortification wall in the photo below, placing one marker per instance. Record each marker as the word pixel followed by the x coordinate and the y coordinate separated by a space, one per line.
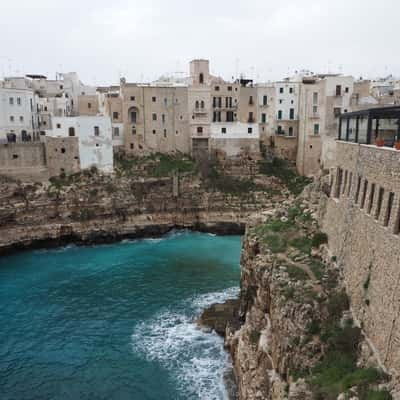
pixel 23 160
pixel 362 220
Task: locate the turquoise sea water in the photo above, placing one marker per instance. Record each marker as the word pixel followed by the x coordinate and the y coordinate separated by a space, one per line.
pixel 115 321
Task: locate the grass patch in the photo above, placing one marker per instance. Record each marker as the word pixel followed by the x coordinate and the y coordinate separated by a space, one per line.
pixel 281 169
pixel 302 243
pixel 317 267
pixel 276 243
pixel 297 273
pixel 378 395
pixel 168 164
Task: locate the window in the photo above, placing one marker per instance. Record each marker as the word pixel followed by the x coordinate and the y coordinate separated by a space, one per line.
pixel 358 189
pixel 165 133
pixel 45 108
pixel 154 116
pixel 89 105
pixel 11 100
pixel 62 150
pixel 61 87
pixel 364 193
pixel 199 129
pixel 316 129
pixel 116 131
pixel 251 100
pixel 202 104
pixel 154 132
pixel 280 101
pixel 371 198
pixel 290 133
pixel 11 118
pixel 201 78
pixel 229 88
pixel 251 118
pixel 263 118
pixel 265 100
pixel 315 98
pixel 115 115
pixel 315 109
pixel 15 156
pixel 291 113
pixel 163 118
pixel 133 130
pixel 96 131
pixel 165 101
pixel 133 117
pixel 291 90
pixel 336 112
pixel 132 98
pixel 216 88
pixel 21 118
pixel 338 90
pixel 280 114
pixel 131 146
pixel 281 90
pixel 223 130
pixel 58 126
pixel 153 99
pixel 339 179
pixel 19 101
pixel 379 205
pixel 346 90
pixel 389 209
pixel 249 130
pixel 229 116
pixel 197 104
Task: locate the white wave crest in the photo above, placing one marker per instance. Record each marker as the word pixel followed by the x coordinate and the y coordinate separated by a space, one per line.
pixel 197 359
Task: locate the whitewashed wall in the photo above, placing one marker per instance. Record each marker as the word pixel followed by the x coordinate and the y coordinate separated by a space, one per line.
pixel 93 150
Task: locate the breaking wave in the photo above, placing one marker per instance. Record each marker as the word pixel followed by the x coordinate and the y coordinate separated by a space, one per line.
pixel 196 358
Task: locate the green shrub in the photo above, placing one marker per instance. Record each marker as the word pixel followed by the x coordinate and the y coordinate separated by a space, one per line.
pixel 302 243
pixel 378 395
pixel 317 267
pixel 314 327
pixel 319 238
pixel 254 337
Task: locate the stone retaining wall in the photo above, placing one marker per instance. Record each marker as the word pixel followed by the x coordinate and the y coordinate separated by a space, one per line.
pixel 362 220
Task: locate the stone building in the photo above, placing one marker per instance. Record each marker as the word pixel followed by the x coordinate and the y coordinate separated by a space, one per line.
pixel 155 118
pixel 94 138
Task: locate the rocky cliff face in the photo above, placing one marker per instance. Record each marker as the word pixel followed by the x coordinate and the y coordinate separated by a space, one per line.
pixel 292 335
pixel 89 207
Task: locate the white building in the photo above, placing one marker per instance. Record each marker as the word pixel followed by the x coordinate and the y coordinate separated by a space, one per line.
pixel 95 139
pixel 18 113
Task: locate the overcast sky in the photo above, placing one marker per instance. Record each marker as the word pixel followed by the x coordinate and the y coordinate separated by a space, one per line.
pixel 266 40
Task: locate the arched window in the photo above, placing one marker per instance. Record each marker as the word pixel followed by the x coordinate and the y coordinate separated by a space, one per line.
pixel 199 129
pixel 71 131
pixel 202 104
pixel 201 78
pixel 197 104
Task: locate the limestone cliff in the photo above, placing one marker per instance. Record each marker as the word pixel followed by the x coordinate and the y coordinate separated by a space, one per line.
pixel 90 207
pixel 292 335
